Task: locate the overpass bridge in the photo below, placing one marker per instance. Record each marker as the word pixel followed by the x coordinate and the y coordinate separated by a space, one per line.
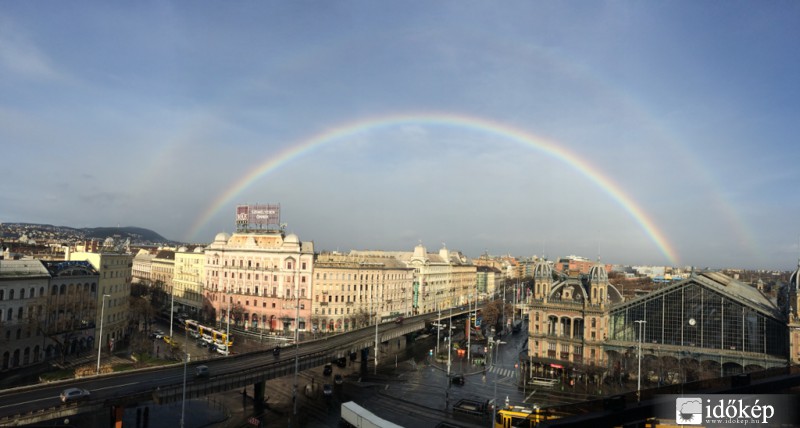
pixel 113 392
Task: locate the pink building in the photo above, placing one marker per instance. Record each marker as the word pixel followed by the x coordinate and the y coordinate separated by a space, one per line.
pixel 261 278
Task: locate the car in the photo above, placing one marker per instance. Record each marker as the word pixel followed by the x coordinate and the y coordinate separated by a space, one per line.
pixel 159 334
pixel 194 335
pixel 276 351
pixel 457 380
pixel 328 369
pixel 202 371
pixel 202 344
pixel 70 395
pixel 338 379
pixel 341 362
pixel 222 349
pixel 327 390
pixel 398 320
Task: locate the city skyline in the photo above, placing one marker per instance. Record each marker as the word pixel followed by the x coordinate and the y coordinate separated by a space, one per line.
pixel 640 133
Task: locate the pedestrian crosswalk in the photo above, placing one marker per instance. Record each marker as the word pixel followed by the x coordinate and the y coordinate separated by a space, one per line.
pixel 500 371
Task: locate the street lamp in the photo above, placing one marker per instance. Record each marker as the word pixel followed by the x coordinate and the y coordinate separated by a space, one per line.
pixel 100 338
pixel 171 308
pixel 639 376
pixel 183 405
pixel 469 326
pixel 497 344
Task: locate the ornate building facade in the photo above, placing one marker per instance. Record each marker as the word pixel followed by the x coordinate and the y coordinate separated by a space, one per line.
pixel 707 325
pixel 260 280
pixel 353 291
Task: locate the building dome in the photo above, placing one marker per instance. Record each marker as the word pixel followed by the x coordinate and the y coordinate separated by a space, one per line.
pixel 199 249
pixel 598 274
pixel 291 239
pixel 221 238
pixel 109 242
pixel 542 270
pixel 183 249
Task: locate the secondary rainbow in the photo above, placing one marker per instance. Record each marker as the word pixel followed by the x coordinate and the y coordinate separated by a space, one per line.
pixel 343 131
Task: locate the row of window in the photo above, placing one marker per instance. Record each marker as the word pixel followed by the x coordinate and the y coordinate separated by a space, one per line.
pixel 288 264
pixel 54 290
pixel 362 277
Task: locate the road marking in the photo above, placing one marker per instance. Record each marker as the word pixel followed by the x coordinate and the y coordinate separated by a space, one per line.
pixel 32 401
pixel 114 386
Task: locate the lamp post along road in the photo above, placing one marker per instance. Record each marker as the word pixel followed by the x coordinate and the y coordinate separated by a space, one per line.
pixel 469 325
pixel 183 404
pixel 171 308
pixel 497 344
pixel 100 337
pixel 639 376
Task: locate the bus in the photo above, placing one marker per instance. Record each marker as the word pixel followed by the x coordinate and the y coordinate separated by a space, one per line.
pixel 519 417
pixel 209 334
pixel 543 381
pixel 356 416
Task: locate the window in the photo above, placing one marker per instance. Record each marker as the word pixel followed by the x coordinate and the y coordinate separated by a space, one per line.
pixel 10 294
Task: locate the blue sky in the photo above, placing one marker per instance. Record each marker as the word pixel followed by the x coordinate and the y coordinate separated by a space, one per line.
pixel 145 113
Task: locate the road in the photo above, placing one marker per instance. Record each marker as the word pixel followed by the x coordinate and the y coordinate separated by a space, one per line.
pixel 414 393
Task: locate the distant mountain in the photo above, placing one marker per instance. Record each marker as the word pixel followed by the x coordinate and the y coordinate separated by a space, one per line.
pixel 137 235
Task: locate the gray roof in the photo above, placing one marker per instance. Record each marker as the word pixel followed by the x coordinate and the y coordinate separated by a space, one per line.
pixel 22 269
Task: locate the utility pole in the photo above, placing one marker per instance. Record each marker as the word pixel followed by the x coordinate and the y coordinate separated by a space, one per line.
pixel 171 308
pixel 639 376
pixel 469 326
pixel 100 338
pixel 374 293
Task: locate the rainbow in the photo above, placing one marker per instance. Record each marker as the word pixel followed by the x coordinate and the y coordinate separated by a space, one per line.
pixel 343 131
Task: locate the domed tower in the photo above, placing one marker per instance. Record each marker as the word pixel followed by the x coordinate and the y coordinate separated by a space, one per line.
pixel 598 284
pixel 791 294
pixel 794 293
pixel 542 279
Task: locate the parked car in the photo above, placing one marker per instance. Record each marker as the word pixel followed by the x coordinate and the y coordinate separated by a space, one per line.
pixel 276 351
pixel 328 369
pixel 74 394
pixel 338 379
pixel 222 349
pixel 327 390
pixel 399 320
pixel 159 334
pixel 201 371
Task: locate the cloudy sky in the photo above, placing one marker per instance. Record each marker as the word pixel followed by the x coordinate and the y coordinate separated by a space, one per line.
pixel 643 132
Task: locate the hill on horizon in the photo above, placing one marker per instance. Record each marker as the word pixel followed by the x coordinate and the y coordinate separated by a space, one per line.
pixel 137 235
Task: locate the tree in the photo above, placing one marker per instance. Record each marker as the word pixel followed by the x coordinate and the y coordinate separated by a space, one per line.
pixel 237 312
pixel 493 312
